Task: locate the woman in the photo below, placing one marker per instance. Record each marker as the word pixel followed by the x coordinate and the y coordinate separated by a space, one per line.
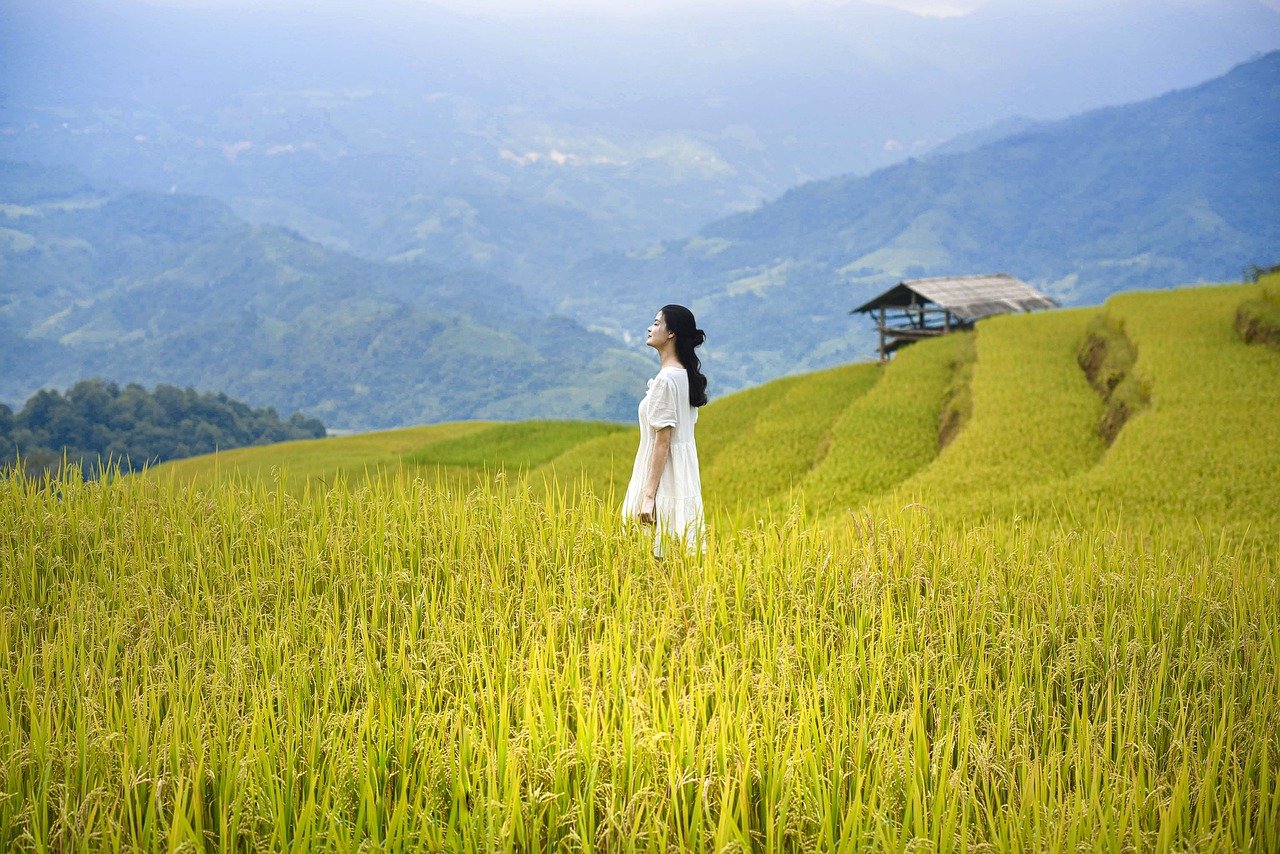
pixel 666 489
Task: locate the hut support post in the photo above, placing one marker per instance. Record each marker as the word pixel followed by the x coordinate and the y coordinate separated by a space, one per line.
pixel 882 353
pixel 946 321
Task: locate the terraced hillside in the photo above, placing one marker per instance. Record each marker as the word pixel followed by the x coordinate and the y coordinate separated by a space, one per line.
pixel 1201 456
pixel 862 435
pixel 1037 638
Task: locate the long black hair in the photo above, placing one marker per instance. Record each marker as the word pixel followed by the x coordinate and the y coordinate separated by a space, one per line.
pixel 680 321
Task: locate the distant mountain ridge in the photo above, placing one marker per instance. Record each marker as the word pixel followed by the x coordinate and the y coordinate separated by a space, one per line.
pixel 395 129
pixel 1181 188
pixel 153 288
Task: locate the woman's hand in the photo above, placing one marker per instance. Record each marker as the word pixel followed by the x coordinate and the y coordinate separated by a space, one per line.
pixel 646 511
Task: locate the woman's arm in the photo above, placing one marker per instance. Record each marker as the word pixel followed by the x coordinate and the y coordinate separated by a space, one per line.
pixel 657 462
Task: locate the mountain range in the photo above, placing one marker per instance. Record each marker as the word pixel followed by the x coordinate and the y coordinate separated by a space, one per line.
pixel 156 288
pixel 1178 189
pixel 102 279
pixel 523 145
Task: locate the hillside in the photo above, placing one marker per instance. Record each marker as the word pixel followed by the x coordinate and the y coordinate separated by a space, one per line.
pixel 170 288
pixel 156 288
pixel 1029 640
pixel 523 144
pixel 98 424
pixel 1176 189
pixel 863 437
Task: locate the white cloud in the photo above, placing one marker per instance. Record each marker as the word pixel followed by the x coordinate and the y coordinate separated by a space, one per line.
pixel 557 157
pixel 235 149
pixel 933 8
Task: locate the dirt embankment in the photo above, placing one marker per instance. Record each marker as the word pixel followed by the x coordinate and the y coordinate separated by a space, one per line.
pixel 1107 357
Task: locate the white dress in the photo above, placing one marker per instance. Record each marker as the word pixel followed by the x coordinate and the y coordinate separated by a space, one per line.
pixel 678 503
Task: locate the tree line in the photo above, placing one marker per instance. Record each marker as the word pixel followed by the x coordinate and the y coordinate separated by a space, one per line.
pixel 97 423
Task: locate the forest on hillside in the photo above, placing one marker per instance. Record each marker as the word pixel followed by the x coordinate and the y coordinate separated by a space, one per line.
pixel 98 423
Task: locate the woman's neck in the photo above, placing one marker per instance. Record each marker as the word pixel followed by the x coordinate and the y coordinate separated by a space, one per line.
pixel 667 357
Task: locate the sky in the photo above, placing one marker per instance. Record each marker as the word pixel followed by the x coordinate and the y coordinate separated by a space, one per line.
pixel 930 8
pixel 523 8
pixel 935 8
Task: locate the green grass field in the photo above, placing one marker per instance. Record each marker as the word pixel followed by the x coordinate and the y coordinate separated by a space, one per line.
pixel 886 436
pixel 445 638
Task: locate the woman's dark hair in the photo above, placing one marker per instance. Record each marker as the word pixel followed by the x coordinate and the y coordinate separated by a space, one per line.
pixel 688 335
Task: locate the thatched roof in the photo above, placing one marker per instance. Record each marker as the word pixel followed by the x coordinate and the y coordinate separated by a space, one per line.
pixel 967 297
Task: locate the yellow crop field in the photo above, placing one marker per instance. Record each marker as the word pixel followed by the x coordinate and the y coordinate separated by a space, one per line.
pixel 321 460
pixel 446 638
pixel 396 665
pixel 515 447
pixel 1205 454
pixel 884 437
pixel 1034 416
pixel 1201 458
pixel 601 466
pixel 786 440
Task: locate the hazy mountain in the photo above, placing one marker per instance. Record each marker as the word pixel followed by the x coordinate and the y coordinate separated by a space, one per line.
pixel 522 145
pixel 1178 189
pixel 994 132
pixel 151 288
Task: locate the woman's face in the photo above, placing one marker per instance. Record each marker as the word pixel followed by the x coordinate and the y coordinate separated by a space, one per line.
pixel 658 332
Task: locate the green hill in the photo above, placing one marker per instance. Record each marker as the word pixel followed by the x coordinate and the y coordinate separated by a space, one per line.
pixel 864 436
pixel 1180 188
pixel 1035 635
pixel 158 288
pixel 153 288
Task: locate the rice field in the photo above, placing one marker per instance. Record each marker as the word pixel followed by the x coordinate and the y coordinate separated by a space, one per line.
pixel 888 435
pixel 786 439
pixel 399 666
pixel 1034 414
pixel 445 638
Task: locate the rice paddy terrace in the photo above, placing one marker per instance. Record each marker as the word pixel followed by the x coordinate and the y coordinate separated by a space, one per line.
pixel 1018 589
pixel 1202 452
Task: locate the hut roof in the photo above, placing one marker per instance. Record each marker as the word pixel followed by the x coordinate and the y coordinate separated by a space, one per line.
pixel 967 297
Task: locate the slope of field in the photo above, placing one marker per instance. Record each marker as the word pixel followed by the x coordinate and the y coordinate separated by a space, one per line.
pixel 321 460
pixel 1200 458
pixel 1206 452
pixel 519 446
pixel 1029 641
pixel 402 666
pixel 787 438
pixel 887 435
pixel 858 436
pixel 780 429
pixel 1034 414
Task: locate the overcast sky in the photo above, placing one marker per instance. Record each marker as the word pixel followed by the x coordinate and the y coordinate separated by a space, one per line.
pixel 923 7
pixel 933 8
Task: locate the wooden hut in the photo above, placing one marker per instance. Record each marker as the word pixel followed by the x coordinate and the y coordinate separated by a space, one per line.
pixel 923 308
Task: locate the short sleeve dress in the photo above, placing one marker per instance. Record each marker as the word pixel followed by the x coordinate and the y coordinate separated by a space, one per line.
pixel 678 503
